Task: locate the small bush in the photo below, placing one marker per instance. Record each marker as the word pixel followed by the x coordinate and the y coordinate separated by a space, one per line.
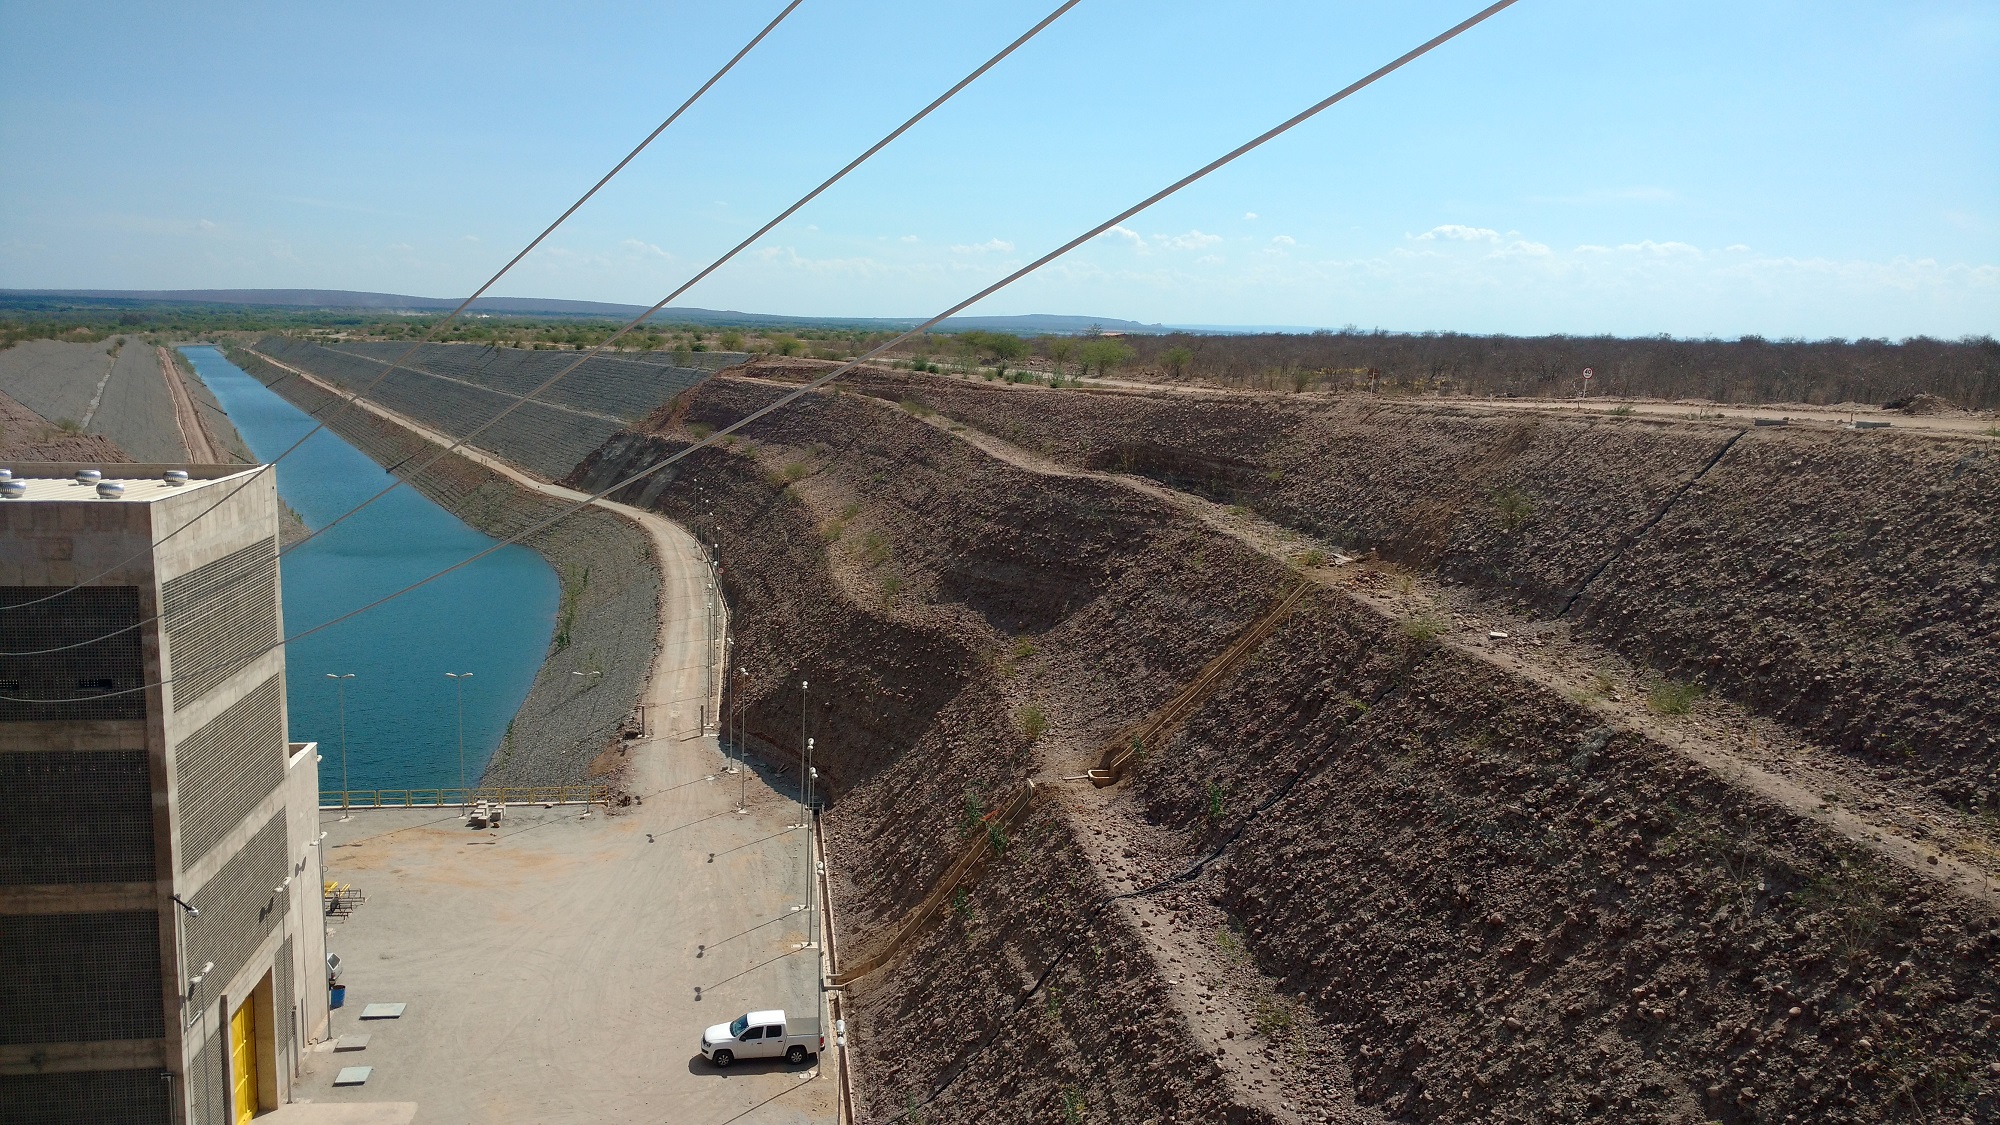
pixel 891 585
pixel 1024 648
pixel 974 812
pixel 1213 802
pixel 1514 509
pixel 1671 697
pixel 911 404
pixel 795 472
pixel 700 430
pixel 874 549
pixel 1032 721
pixel 1621 411
pixel 1424 628
pixel 69 425
pixel 1312 557
pixel 1275 1016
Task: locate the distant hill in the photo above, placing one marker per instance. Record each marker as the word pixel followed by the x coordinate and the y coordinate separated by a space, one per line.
pixel 340 300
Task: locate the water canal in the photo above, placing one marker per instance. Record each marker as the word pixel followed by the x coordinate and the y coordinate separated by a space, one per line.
pixel 493 618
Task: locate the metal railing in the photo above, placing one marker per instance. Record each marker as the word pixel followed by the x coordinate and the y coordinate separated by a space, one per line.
pixel 454 797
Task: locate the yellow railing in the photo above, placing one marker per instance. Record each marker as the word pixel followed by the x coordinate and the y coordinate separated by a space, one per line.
pixel 452 798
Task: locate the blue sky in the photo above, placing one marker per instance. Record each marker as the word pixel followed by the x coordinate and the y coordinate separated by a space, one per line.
pixel 1782 167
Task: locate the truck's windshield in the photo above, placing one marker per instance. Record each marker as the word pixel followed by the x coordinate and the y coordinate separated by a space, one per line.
pixel 738 1025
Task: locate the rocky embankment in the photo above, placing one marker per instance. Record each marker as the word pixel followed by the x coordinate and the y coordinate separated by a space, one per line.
pixel 607 620
pixel 1373 878
pixel 1845 583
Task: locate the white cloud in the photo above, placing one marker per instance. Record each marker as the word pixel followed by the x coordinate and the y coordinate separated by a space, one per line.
pixel 990 246
pixel 1250 215
pixel 1737 248
pixel 644 249
pixel 908 238
pixel 207 224
pixel 1457 233
pixel 1126 233
pixel 1284 240
pixel 468 238
pixel 1192 240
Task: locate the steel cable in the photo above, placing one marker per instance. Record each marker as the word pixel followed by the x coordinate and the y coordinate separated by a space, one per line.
pixel 435 328
pixel 523 400
pixel 793 396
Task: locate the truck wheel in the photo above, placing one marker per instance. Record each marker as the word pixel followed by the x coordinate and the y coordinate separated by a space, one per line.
pixel 796 1055
pixel 722 1058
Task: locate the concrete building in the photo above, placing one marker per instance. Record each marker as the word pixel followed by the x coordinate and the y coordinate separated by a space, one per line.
pixel 162 940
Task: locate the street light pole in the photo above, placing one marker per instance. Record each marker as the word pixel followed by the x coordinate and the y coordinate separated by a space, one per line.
pixel 812 872
pixel 459 678
pixel 340 688
pixel 742 760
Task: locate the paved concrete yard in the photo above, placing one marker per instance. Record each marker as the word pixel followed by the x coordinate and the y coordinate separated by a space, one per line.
pixel 550 966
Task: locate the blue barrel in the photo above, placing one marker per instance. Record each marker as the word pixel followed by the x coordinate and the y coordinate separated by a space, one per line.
pixel 339 992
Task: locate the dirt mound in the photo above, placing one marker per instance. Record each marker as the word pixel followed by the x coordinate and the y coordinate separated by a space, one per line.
pixel 1922 404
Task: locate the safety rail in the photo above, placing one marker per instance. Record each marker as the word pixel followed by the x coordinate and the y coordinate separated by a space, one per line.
pixel 450 798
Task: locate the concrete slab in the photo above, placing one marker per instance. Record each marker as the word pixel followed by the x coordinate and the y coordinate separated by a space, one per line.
pixel 358 1113
pixel 383 1011
pixel 351 1043
pixel 551 965
pixel 353 1075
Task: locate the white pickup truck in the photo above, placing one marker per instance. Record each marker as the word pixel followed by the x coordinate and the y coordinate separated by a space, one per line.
pixel 762 1035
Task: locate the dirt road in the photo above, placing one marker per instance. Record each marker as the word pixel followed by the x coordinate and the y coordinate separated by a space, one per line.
pixel 193 438
pixel 561 968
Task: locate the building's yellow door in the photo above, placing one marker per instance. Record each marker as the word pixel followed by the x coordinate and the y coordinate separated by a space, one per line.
pixel 243 1062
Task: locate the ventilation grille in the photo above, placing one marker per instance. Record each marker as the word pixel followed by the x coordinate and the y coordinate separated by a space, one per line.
pixel 90 1097
pixel 239 906
pixel 288 1018
pixel 218 616
pixel 80 978
pixel 95 668
pixel 76 818
pixel 207 1084
pixel 222 770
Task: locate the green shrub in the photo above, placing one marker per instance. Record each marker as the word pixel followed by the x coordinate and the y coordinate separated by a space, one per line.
pixel 1671 697
pixel 913 405
pixel 1032 721
pixel 1514 509
pixel 1424 628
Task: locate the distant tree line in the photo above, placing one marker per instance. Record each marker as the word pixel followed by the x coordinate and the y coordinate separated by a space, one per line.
pixel 1751 369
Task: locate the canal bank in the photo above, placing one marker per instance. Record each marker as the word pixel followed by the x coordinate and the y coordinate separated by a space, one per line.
pixel 605 613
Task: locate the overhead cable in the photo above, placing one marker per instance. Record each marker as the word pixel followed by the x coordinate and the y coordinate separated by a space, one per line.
pixel 637 321
pixel 793 396
pixel 691 282
pixel 438 326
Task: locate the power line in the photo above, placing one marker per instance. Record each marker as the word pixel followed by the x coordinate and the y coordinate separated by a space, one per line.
pixel 793 396
pixel 717 264
pixel 437 327
pixel 523 400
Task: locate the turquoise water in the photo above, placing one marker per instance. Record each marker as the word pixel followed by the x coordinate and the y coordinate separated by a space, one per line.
pixel 493 618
